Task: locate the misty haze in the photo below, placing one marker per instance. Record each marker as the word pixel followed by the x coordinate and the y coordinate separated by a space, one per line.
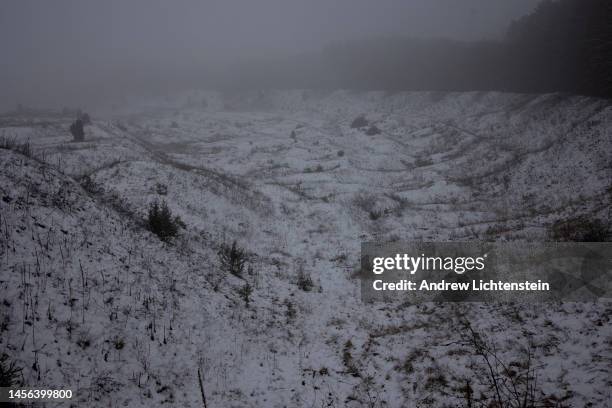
pixel 185 188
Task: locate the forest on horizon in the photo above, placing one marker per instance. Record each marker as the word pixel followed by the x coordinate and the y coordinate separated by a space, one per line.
pixel 562 46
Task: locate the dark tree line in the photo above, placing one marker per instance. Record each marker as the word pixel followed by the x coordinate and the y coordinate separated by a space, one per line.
pixel 563 46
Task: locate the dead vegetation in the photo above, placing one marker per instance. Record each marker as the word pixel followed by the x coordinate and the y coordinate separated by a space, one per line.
pixel 580 229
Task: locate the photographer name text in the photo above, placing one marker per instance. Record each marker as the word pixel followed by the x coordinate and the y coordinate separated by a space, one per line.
pixel 480 285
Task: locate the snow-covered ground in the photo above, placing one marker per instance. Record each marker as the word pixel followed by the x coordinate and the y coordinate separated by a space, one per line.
pixel 94 301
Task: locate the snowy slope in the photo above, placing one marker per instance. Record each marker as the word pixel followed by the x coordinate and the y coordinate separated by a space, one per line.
pixel 94 301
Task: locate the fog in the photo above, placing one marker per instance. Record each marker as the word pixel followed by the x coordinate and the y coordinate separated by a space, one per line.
pixel 65 52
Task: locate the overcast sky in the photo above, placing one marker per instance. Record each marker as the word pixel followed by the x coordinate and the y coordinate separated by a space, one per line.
pixel 54 45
